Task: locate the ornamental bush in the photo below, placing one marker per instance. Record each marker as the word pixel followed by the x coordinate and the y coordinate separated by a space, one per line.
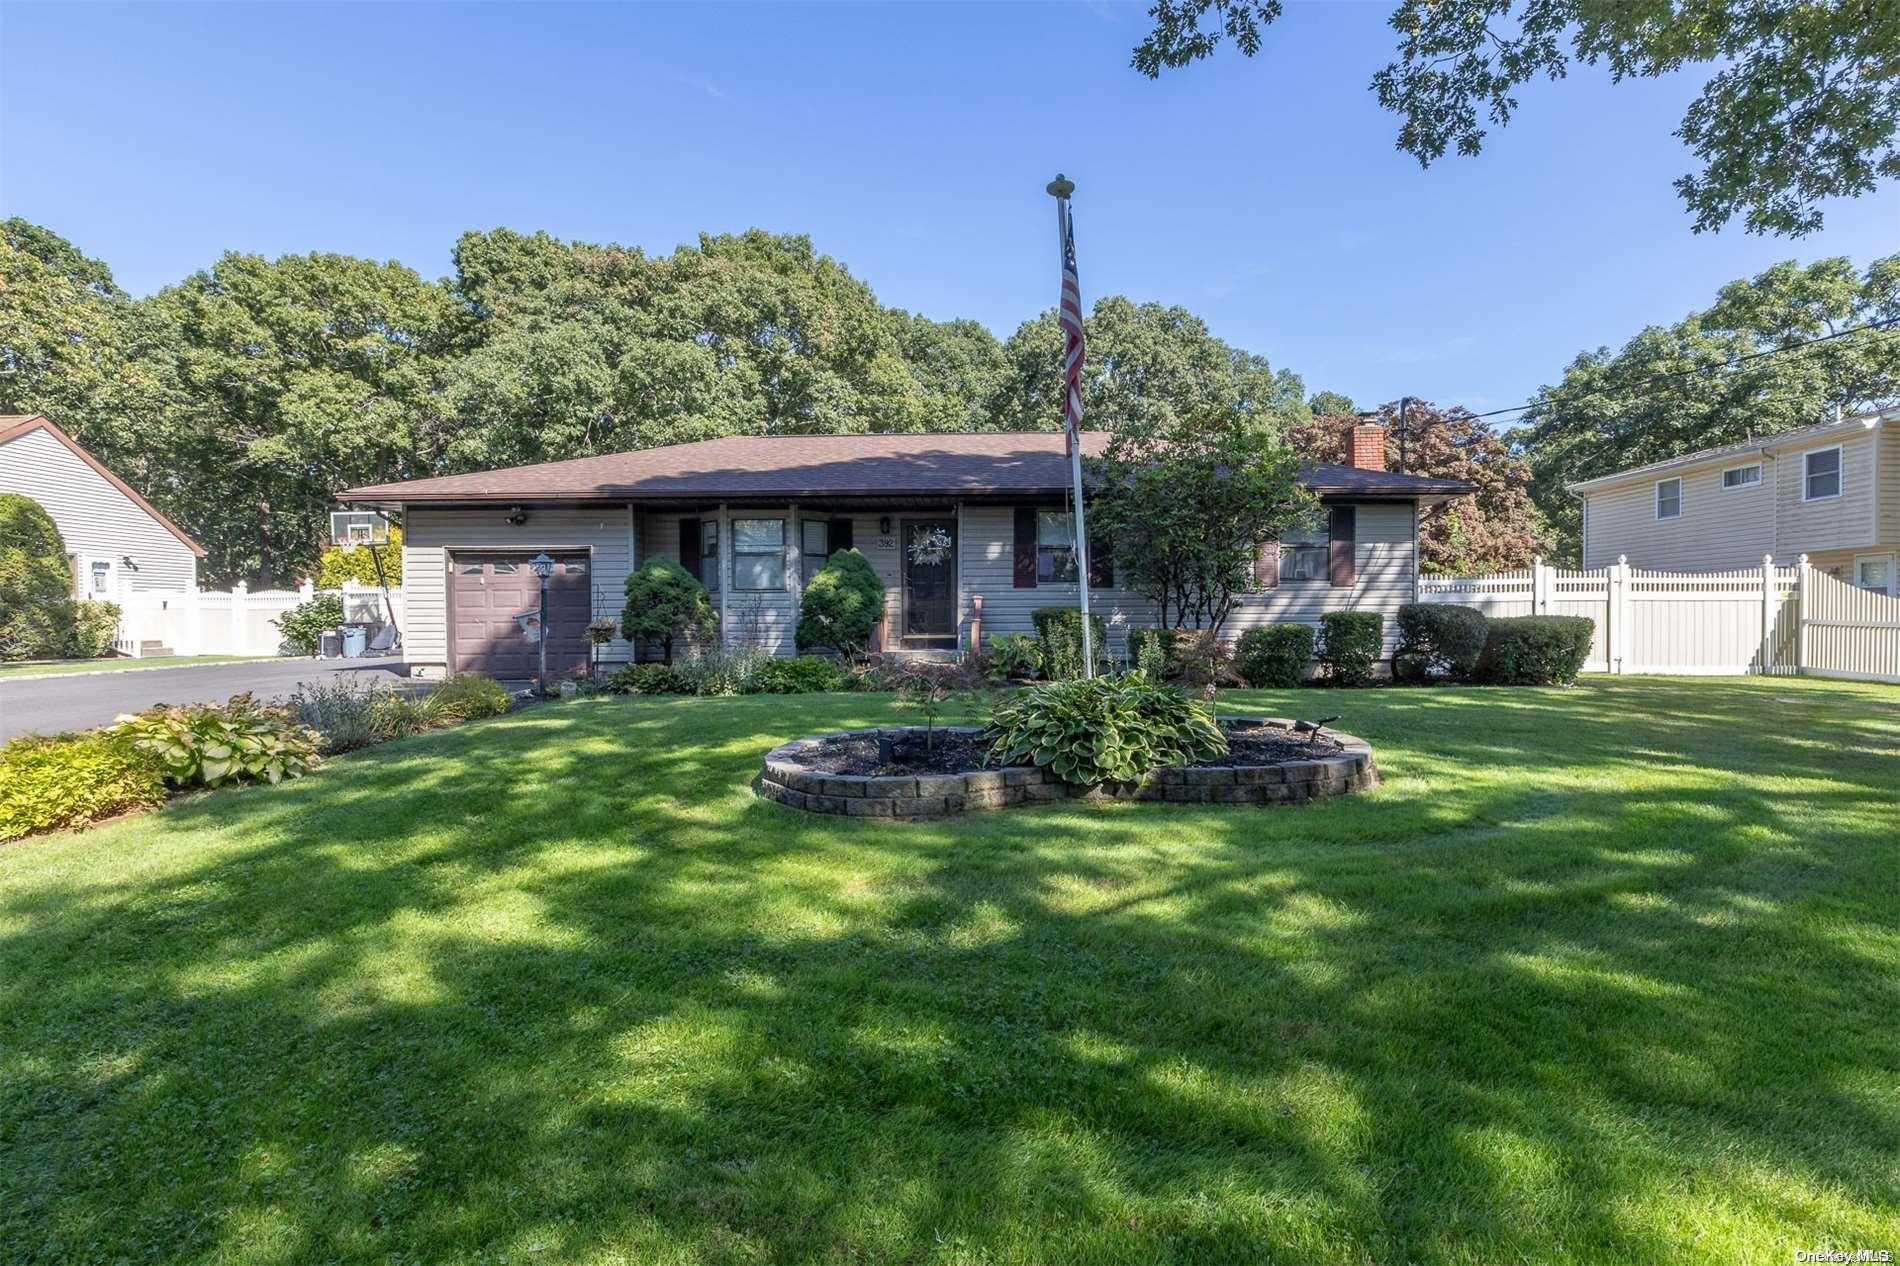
pixel 338 564
pixel 841 606
pixel 1536 650
pixel 1013 657
pixel 1059 629
pixel 1438 638
pixel 664 602
pixel 1156 651
pixel 467 696
pixel 649 679
pixel 1275 656
pixel 348 714
pixel 1102 729
pixel 304 623
pixel 36 582
pixel 95 621
pixel 50 783
pixel 1349 644
pixel 210 744
pixel 805 674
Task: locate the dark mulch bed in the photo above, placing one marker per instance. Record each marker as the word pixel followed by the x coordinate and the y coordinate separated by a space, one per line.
pixel 949 754
pixel 960 753
pixel 1264 745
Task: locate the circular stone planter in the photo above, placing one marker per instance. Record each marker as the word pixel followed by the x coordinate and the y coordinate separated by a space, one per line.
pixel 787 778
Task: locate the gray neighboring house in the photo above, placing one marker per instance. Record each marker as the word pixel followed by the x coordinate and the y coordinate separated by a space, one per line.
pixel 116 540
pixel 755 517
pixel 1831 492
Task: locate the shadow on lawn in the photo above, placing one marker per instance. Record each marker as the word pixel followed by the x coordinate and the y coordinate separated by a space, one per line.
pixel 560 984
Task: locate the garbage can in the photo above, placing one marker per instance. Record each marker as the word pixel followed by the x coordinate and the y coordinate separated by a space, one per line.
pixel 355 641
pixel 329 644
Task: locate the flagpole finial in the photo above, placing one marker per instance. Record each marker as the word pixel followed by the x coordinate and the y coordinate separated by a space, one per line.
pixel 1061 186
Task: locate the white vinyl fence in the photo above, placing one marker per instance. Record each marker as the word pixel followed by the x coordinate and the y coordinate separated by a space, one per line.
pixel 234 623
pixel 1765 619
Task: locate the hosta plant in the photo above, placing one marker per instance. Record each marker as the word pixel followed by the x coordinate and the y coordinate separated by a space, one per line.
pixel 211 744
pixel 1113 729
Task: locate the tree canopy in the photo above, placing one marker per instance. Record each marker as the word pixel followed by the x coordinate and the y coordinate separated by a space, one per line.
pixel 1803 102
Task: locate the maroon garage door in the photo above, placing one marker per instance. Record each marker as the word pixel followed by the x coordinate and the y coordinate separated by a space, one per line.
pixel 490 591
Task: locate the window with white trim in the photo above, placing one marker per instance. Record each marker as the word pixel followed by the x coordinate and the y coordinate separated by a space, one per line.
pixel 1306 552
pixel 814 546
pixel 1055 547
pixel 758 554
pixel 1741 476
pixel 1669 498
pixel 1821 474
pixel 1875 572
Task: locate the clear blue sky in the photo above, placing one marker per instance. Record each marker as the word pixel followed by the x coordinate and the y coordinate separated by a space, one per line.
pixel 912 142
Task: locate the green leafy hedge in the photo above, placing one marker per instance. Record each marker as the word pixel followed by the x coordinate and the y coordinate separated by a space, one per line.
pixel 211 744
pixel 50 783
pixel 841 606
pixel 1059 629
pixel 1102 729
pixel 1536 650
pixel 1276 655
pixel 805 674
pixel 338 564
pixel 94 623
pixel 1438 638
pixel 304 623
pixel 36 582
pixel 1349 645
pixel 1155 651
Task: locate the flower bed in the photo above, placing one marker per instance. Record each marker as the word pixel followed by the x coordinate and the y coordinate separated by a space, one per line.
pixel 805 774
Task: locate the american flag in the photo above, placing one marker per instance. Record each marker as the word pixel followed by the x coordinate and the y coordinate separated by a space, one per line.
pixel 1069 317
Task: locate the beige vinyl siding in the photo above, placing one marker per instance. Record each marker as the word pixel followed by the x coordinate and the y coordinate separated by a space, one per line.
pixel 1833 523
pixel 95 518
pixel 430 535
pixel 1889 484
pixel 1718 527
pixel 1385 563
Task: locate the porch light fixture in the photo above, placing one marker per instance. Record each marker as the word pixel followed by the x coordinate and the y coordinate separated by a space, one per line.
pixel 884 525
pixel 543 567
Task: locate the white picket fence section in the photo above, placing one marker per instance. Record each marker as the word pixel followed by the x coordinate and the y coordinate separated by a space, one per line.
pixel 1765 619
pixel 233 623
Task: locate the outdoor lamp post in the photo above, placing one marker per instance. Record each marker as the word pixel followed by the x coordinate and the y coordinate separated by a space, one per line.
pixel 543 567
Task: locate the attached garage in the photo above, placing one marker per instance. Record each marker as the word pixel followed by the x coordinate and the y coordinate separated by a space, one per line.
pixel 493 597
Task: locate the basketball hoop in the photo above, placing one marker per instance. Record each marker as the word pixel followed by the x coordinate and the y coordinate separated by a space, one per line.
pixel 349 528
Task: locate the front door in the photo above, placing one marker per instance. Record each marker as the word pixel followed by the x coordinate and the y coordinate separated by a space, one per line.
pixel 930 579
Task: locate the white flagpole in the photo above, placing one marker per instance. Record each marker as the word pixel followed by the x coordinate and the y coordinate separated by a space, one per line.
pixel 1060 189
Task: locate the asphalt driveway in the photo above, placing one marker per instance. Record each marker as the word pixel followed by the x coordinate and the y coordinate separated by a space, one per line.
pixel 49 705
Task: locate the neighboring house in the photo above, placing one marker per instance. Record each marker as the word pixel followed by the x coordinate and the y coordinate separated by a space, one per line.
pixel 1831 492
pixel 755 517
pixel 115 538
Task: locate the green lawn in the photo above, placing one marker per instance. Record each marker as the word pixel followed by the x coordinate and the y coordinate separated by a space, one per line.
pixel 1604 975
pixel 61 667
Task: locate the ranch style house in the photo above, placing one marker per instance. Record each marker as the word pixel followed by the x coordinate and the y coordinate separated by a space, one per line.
pixel 969 532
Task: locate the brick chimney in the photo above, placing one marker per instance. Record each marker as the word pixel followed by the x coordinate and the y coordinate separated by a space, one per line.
pixel 1365 446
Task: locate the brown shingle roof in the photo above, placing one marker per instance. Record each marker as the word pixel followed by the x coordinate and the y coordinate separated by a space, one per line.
pixel 997 464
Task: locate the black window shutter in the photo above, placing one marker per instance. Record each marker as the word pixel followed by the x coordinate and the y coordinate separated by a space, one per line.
pixel 1266 564
pixel 689 545
pixel 840 534
pixel 1345 527
pixel 1025 549
pixel 1102 564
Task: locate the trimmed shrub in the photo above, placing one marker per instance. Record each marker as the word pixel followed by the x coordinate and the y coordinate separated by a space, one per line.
pixel 664 602
pixel 1349 644
pixel 338 564
pixel 50 783
pixel 723 671
pixel 467 696
pixel 1438 637
pixel 210 744
pixel 805 674
pixel 1275 656
pixel 1059 629
pixel 36 582
pixel 348 714
pixel 1103 729
pixel 1536 650
pixel 1013 657
pixel 1155 651
pixel 841 606
pixel 94 623
pixel 304 623
pixel 649 679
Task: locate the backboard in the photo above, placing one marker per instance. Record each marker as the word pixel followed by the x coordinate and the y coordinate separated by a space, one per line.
pixel 358 527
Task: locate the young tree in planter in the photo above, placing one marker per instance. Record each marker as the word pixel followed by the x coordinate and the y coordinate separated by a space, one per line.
pixel 1185 504
pixel 841 606
pixel 665 601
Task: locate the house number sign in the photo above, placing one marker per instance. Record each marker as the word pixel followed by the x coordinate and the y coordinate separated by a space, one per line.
pixel 885 542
